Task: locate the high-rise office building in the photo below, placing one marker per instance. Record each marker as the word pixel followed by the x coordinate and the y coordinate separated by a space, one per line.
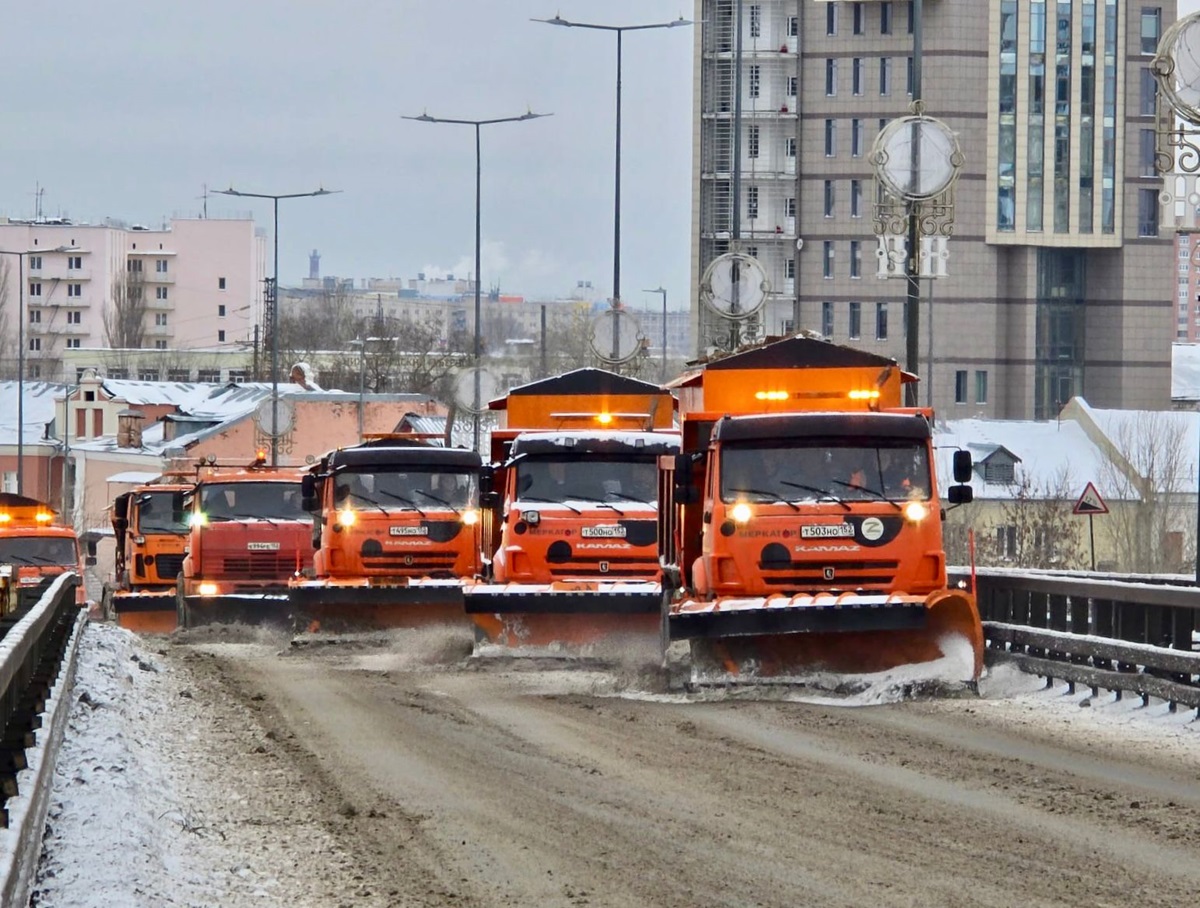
pixel 1060 278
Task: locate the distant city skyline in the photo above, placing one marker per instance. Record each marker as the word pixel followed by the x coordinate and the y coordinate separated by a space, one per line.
pixel 131 109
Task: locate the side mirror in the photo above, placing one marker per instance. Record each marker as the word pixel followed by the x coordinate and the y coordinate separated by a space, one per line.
pixel 683 491
pixel 962 466
pixel 178 507
pixel 90 561
pixel 90 546
pixel 121 508
pixel 308 492
pixel 962 494
pixel 487 479
pixel 489 500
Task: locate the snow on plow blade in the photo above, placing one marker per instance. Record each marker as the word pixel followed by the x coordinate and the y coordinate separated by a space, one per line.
pixel 145 612
pixel 563 614
pixel 845 634
pixel 331 606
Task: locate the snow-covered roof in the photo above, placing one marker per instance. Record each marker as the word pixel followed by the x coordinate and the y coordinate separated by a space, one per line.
pixel 39 410
pixel 151 393
pixel 136 477
pixel 1145 438
pixel 1047 452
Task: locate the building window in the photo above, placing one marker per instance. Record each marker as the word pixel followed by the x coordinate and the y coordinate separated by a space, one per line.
pixel 752 140
pixel 981 388
pixel 75 290
pixel 755 21
pixel 829 198
pixel 74 262
pixel 828 260
pixel 237 376
pixel 755 73
pixel 162 345
pixel 1000 472
pixel 830 78
pixel 885 75
pixel 909 76
pixel 885 17
pixel 35 316
pixel 1151 28
pixel 1146 149
pixel 160 266
pixel 74 343
pixel 912 13
pixel 1148 97
pixel 855 258
pixel 35 344
pixel 855 325
pixel 35 288
pixel 856 198
pixel 35 263
pixel 220 283
pixel 10 482
pixel 789 146
pixel 827 319
pixel 160 319
pixel 147 375
pixel 752 202
pixel 857 135
pixel 134 265
pixel 960 386
pixel 793 26
pixel 73 318
pixel 1147 212
pixel 881 321
pixel 859 18
pixel 160 293
pixel 789 207
pixel 178 374
pixel 791 86
pixel 856 75
pixel 789 269
pixel 220 311
pixel 1006 541
pixel 221 337
pixel 830 138
pixel 209 375
pixel 831 17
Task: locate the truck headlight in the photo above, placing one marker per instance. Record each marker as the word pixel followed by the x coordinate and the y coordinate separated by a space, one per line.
pixel 346 517
pixel 741 512
pixel 207 589
pixel 469 517
pixel 915 511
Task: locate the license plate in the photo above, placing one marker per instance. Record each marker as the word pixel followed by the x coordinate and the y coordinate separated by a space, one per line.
pixel 262 546
pixel 603 532
pixel 827 531
pixel 409 531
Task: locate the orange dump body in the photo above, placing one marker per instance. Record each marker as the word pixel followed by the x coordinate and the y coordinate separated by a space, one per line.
pixel 803 530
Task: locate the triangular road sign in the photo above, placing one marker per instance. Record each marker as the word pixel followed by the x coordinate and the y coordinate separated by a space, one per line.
pixel 1090 502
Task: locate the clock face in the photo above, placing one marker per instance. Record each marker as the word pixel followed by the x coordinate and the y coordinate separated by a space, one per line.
pixel 735 285
pixel 1178 67
pixel 264 413
pixel 917 157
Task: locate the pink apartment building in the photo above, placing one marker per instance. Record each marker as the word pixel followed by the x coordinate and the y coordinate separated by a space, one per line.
pixel 201 280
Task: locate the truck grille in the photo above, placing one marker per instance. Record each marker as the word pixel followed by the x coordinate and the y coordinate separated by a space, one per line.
pixel 808 575
pixel 168 567
pixel 423 564
pixel 258 565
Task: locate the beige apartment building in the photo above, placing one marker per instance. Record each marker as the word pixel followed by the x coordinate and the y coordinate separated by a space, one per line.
pixel 1061 280
pixel 195 283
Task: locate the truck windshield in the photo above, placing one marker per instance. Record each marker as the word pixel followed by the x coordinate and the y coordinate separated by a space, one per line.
pixel 839 470
pixel 157 514
pixel 252 500
pixel 39 550
pixel 606 478
pixel 412 489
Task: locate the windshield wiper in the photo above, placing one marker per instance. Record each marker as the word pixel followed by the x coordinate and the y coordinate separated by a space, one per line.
pixel 436 498
pixel 593 500
pixel 634 498
pixel 870 491
pixel 547 501
pixel 371 501
pixel 775 495
pixel 408 501
pixel 821 494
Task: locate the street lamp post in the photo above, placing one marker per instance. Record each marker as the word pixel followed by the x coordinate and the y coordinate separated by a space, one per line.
pixel 620 31
pixel 663 290
pixel 20 256
pixel 275 301
pixel 426 118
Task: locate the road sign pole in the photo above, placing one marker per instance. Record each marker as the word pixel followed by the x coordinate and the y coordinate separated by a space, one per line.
pixel 1092 537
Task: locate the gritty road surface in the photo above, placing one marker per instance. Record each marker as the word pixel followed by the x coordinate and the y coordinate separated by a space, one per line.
pixel 394 772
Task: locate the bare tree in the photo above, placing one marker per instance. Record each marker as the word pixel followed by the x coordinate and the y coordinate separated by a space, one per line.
pixel 125 317
pixel 1147 465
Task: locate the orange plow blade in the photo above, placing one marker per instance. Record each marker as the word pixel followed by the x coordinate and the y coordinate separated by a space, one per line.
pixel 146 613
pixel 332 606
pixel 848 634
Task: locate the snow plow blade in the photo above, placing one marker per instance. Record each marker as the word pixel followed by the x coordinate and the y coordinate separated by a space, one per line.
pixel 144 613
pixel 844 634
pixel 563 615
pixel 235 608
pixel 332 606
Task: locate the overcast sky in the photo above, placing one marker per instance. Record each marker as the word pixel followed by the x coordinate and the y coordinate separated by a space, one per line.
pixel 128 108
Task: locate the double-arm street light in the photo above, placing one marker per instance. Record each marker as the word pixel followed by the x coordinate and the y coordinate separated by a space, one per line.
pixel 620 31
pixel 20 256
pixel 275 301
pixel 478 124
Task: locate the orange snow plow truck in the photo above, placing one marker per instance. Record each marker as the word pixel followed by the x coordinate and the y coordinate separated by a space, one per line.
pixel 151 533
pixel 37 547
pixel 396 528
pixel 802 529
pixel 572 526
pixel 249 535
